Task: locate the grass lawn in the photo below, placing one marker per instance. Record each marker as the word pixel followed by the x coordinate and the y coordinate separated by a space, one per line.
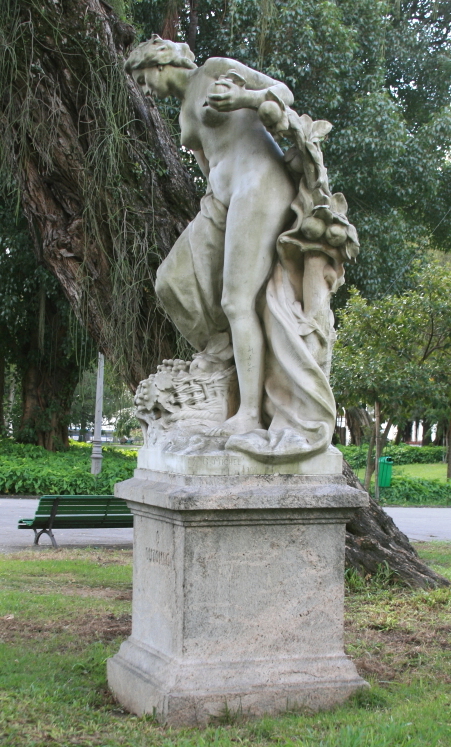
pixel 435 471
pixel 62 613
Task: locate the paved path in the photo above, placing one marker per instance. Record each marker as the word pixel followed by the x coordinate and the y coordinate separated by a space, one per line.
pixel 418 523
pixel 422 523
pixel 13 539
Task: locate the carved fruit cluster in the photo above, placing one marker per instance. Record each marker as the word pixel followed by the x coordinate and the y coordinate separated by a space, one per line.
pixel 174 367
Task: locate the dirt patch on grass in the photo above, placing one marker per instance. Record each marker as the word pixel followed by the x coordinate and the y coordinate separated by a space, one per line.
pixel 399 654
pixel 94 592
pixel 87 627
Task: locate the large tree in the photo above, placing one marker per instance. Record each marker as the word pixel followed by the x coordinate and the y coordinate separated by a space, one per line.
pixel 100 181
pixel 102 185
pixel 41 344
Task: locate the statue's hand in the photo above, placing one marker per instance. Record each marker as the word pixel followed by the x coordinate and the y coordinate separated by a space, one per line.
pixel 228 93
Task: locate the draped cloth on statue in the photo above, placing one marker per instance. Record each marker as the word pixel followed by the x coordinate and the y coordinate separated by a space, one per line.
pixel 189 281
pixel 298 402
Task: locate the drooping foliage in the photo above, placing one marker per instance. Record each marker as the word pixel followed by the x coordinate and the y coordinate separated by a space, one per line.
pixel 99 179
pixel 40 341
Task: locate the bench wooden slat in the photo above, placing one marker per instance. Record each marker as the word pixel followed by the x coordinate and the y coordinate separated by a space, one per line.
pixel 78 512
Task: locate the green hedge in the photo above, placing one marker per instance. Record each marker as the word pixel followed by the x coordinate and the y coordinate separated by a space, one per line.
pixel 31 470
pixel 402 454
pixel 408 491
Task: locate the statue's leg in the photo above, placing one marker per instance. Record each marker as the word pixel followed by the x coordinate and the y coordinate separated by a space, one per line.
pixel 254 222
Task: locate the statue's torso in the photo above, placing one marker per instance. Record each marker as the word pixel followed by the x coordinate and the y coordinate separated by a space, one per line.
pixel 236 145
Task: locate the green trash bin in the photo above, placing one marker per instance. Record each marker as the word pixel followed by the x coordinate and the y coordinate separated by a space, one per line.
pixel 385 470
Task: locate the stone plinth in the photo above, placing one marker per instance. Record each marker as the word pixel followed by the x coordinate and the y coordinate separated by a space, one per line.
pixel 237 595
pixel 231 463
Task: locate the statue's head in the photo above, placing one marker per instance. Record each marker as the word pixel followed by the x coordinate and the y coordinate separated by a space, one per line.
pixel 156 52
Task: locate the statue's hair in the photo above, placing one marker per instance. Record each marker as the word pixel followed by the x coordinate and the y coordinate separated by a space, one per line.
pixel 158 51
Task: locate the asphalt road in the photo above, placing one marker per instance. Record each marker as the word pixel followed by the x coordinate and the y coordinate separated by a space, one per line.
pixel 13 539
pixel 418 523
pixel 424 524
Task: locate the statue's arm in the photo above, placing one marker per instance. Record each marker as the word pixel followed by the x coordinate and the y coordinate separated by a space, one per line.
pixel 248 96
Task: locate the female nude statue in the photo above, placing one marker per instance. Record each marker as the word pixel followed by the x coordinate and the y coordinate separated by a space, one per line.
pixel 237 267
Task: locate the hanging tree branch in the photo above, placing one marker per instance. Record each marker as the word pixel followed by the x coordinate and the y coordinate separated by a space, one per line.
pixel 100 180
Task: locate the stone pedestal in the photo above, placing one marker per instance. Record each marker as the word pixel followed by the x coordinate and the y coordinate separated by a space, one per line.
pixel 237 595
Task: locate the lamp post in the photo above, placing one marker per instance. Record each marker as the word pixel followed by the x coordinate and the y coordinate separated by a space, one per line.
pixel 96 456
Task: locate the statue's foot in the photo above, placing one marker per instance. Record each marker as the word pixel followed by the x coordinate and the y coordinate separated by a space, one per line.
pixel 238 424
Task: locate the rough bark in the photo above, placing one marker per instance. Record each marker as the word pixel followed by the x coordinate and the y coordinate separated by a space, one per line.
pixel 369 469
pixel 101 182
pixel 448 458
pixel 439 439
pixel 359 422
pixel 370 459
pixel 48 385
pixel 192 26
pixel 2 395
pixel 407 433
pixel 373 539
pixel 427 439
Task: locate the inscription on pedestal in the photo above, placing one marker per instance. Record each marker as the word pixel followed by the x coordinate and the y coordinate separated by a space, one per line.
pixel 157 556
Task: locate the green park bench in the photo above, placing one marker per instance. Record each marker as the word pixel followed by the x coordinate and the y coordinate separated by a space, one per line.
pixel 77 512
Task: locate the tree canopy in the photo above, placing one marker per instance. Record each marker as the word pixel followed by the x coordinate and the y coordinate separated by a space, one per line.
pixel 397 349
pixel 380 71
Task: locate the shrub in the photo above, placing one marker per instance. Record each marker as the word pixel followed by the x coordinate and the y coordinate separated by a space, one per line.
pixel 410 491
pixel 29 469
pixel 401 454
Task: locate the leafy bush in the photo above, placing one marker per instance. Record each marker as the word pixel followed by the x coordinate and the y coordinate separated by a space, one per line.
pixel 416 492
pixel 29 469
pixel 401 454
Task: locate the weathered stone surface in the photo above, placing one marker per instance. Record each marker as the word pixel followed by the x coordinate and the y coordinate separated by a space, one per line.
pixel 238 596
pixel 235 463
pixel 248 283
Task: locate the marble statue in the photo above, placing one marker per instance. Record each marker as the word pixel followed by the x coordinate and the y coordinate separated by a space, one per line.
pixel 248 283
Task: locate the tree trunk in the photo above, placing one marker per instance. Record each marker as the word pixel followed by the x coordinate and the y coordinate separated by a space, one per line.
pixel 440 434
pixel 398 437
pixel 448 460
pixel 192 27
pixel 359 423
pixel 407 433
pixel 11 398
pixel 2 396
pixel 48 385
pixel 373 540
pixel 102 186
pixel 83 427
pixel 370 461
pixel 47 396
pixel 426 439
